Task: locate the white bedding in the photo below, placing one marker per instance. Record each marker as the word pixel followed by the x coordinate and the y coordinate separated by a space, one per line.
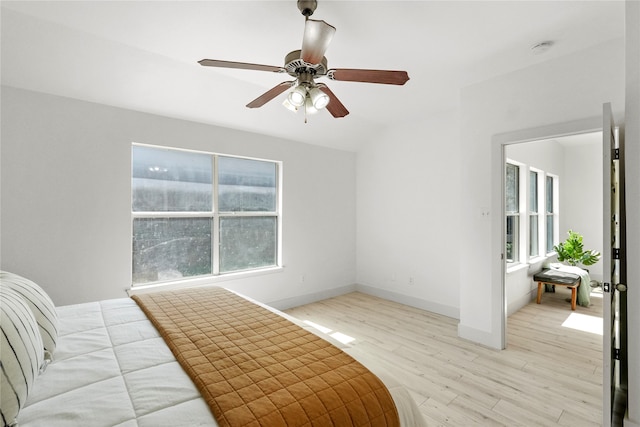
pixel 112 368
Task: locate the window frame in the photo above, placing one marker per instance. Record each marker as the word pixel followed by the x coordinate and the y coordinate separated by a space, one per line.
pixel 215 215
pixel 527 214
pixel 554 213
pixel 533 213
pixel 515 214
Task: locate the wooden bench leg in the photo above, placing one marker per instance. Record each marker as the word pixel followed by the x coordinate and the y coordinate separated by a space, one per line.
pixel 539 292
pixel 574 292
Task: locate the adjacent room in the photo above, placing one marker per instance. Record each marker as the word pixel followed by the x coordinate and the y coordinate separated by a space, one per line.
pixel 153 148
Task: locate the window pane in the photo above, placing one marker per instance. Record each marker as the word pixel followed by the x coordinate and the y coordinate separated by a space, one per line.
pixel 171 180
pixel 512 238
pixel 246 185
pixel 550 233
pixel 247 242
pixel 549 193
pixel 533 191
pixel 533 235
pixel 512 184
pixel 170 248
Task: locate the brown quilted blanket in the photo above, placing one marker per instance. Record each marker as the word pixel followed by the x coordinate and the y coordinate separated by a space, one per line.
pixel 256 368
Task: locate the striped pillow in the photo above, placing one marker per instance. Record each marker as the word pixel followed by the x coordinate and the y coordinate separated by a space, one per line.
pixel 39 303
pixel 20 353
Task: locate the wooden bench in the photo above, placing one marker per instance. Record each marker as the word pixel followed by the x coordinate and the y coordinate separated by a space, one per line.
pixel 558 278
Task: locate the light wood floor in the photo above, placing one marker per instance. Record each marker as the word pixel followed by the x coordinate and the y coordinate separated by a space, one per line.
pixel 549 374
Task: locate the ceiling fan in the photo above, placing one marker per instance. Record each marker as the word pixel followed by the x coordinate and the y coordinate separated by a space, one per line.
pixel 308 64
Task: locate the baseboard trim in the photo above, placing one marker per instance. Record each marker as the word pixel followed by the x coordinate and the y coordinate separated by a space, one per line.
pixel 479 337
pixel 299 300
pixel 521 302
pixel 411 301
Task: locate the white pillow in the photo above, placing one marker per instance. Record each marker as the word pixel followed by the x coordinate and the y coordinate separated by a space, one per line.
pixel 21 353
pixel 39 303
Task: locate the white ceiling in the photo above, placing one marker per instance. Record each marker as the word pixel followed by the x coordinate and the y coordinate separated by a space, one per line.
pixel 143 55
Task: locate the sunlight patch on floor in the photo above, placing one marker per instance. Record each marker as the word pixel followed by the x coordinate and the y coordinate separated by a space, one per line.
pixel 596 293
pixel 584 322
pixel 321 328
pixel 343 338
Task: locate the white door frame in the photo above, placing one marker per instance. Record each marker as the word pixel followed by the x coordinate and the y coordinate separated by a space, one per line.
pixel 498 159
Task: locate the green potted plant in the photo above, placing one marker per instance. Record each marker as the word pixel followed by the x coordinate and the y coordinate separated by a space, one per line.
pixel 573 253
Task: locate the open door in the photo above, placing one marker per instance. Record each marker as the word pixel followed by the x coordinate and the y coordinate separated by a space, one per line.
pixel 614 257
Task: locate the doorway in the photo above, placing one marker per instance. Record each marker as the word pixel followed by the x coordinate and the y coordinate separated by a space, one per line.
pixel 614 318
pixel 552 185
pixel 569 166
pixel 500 142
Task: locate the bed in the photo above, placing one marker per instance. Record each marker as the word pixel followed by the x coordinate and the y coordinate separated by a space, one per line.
pixel 106 363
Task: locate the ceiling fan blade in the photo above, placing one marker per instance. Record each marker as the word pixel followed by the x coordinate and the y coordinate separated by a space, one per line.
pixel 335 107
pixel 317 36
pixel 240 65
pixel 269 95
pixel 369 76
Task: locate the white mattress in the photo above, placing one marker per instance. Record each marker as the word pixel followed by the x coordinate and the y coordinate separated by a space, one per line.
pixel 112 368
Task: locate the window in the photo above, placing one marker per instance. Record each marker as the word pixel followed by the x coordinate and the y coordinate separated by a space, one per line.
pixel 512 204
pixel 533 215
pixel 550 213
pixel 531 212
pixel 201 214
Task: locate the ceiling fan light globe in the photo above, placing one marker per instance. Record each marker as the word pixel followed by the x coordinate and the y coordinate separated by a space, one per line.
pixel 298 96
pixel 289 106
pixel 308 106
pixel 319 99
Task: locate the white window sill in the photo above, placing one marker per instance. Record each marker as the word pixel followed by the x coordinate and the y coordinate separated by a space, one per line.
pixel 201 281
pixel 516 267
pixel 534 263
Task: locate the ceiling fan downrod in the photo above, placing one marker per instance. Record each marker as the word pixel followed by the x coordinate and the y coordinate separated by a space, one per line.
pixel 307 7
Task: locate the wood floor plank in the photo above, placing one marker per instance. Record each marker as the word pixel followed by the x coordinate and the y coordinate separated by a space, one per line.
pixel 549 374
pixel 481 414
pixel 573 419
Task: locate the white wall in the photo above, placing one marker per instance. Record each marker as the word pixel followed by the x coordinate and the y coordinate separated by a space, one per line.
pixel 563 90
pixel 408 213
pixel 66 208
pixel 582 198
pixel 632 147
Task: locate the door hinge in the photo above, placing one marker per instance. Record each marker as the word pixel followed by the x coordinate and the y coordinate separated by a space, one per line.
pixel 616 154
pixel 615 253
pixel 616 353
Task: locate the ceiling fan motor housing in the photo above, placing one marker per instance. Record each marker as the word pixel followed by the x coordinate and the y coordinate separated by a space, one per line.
pixel 307 7
pixel 296 65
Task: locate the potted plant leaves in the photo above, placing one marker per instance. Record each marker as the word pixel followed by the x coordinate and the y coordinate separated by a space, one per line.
pixel 573 253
